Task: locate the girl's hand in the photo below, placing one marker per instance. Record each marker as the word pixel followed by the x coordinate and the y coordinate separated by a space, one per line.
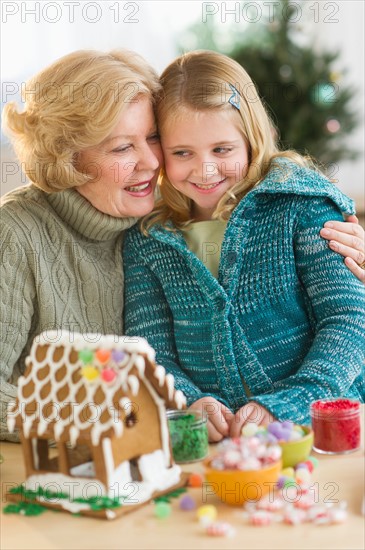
pixel 218 417
pixel 347 238
pixel 252 412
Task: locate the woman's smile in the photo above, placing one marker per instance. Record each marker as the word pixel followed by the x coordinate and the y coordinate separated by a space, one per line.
pixel 141 189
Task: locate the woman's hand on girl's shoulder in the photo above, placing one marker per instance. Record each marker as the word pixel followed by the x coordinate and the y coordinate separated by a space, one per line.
pixel 348 239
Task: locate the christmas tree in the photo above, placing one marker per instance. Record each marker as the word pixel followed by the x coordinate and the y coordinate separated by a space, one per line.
pixel 298 85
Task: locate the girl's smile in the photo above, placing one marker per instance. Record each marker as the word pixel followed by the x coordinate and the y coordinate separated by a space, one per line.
pixel 203 188
pixel 205 156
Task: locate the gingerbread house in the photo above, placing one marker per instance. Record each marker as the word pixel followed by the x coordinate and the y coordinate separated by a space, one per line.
pixel 91 411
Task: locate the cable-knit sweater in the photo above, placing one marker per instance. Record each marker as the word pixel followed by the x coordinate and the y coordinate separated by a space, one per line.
pixel 285 319
pixel 61 268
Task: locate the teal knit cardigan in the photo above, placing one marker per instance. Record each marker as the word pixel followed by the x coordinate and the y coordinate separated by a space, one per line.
pixel 284 323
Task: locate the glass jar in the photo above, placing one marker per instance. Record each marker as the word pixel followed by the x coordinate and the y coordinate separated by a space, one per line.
pixel 336 425
pixel 188 435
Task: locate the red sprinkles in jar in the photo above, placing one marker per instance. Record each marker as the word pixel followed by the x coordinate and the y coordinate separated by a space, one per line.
pixel 336 425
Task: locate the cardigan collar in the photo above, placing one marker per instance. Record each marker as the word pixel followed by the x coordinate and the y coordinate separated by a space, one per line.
pixel 84 218
pixel 287 177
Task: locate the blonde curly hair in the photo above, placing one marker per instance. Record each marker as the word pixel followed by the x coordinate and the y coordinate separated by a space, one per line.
pixel 200 81
pixel 71 105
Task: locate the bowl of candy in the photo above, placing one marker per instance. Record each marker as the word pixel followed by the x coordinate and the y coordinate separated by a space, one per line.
pixel 298 450
pixel 243 469
pixel 295 441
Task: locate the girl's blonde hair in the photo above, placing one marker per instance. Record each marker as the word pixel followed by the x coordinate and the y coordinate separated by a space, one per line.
pixel 71 105
pixel 202 81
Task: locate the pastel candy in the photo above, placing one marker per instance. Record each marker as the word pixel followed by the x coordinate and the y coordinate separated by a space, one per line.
pixel 261 450
pixel 281 482
pixel 219 529
pixel 299 430
pixel 208 512
pixel 103 356
pixel 275 429
pixel 231 458
pixel 217 463
pixel 195 480
pixel 288 472
pixel 118 356
pixel 108 375
pixel 301 465
pixel 270 503
pixel 286 434
pixel 260 517
pixel 337 515
pixel 162 509
pixel 271 438
pixel 295 435
pixel 318 514
pixel 251 463
pixel 86 356
pixel 89 372
pixel 309 465
pixel 313 460
pixel 305 501
pixel 273 453
pixel 294 516
pixel 187 503
pixel 253 442
pixel 302 476
pixel 249 429
pixel 245 453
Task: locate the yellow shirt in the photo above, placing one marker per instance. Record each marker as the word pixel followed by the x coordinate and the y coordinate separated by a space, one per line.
pixel 205 239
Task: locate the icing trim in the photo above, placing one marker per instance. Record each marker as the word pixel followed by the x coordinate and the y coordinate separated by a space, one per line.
pixel 48 409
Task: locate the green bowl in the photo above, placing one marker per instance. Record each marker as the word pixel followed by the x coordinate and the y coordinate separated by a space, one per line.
pixel 297 451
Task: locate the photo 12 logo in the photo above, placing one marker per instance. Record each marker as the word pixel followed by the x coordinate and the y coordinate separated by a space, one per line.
pixel 253 12
pixel 53 12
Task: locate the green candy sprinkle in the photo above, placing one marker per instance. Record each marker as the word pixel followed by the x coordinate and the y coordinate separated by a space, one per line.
pixel 169 496
pixel 25 509
pixel 86 356
pixel 189 437
pixel 95 503
pixel 162 510
pixel 101 502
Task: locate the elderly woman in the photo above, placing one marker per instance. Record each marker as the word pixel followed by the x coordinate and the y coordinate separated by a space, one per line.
pixel 87 139
pixel 88 142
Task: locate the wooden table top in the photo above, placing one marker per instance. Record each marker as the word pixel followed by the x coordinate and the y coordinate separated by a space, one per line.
pixel 337 477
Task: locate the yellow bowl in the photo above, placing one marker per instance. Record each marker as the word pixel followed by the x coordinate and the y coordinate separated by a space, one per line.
pixel 297 451
pixel 234 487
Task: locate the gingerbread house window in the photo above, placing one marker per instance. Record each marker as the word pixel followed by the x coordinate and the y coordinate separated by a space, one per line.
pixel 80 461
pixel 48 456
pixel 131 420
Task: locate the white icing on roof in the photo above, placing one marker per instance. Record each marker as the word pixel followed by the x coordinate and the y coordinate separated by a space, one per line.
pixel 49 409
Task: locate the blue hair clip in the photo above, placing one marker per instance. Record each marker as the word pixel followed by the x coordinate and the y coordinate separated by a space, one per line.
pixel 235 97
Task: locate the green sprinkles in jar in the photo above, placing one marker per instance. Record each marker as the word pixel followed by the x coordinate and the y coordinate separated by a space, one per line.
pixel 188 434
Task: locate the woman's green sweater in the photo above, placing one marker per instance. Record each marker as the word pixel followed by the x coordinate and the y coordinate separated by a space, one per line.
pixel 61 268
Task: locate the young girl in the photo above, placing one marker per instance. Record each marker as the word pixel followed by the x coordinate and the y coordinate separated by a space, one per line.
pixel 229 279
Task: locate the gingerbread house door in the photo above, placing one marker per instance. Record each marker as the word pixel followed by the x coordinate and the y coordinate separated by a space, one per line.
pixel 143 417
